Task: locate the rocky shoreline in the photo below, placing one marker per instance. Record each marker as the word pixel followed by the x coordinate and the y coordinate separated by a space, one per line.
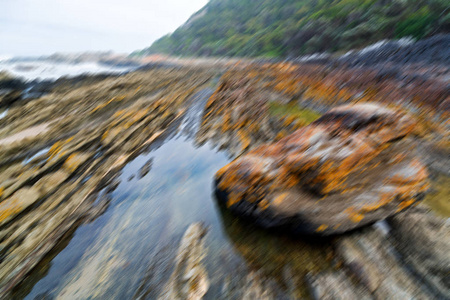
pixel 95 125
pixel 367 257
pixel 98 129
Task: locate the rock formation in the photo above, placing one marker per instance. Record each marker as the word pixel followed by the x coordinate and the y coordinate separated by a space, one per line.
pixel 189 279
pixel 423 239
pixel 50 181
pixel 353 166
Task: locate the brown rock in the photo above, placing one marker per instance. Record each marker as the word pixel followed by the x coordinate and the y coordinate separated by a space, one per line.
pixel 17 203
pixel 353 166
pixel 51 181
pixel 75 160
pixel 189 279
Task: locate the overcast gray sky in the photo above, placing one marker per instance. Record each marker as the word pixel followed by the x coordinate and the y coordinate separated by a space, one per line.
pixel 36 27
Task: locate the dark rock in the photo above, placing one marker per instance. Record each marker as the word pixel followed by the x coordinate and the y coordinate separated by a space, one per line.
pixel 145 168
pixel 9 97
pixel 9 82
pixel 433 50
pixel 10 89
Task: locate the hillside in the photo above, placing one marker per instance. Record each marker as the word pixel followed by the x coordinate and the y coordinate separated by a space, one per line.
pixel 283 28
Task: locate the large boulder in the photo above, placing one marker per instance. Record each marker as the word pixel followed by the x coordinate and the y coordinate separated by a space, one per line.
pixel 353 166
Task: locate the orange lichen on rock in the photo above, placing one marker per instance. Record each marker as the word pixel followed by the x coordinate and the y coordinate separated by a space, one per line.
pixel 358 160
pixel 246 93
pixel 322 228
pixel 75 160
pixel 57 149
pixel 16 203
pixel 104 104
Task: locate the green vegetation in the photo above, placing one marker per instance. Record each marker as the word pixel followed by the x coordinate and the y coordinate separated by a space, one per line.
pixel 438 198
pixel 281 28
pixel 304 115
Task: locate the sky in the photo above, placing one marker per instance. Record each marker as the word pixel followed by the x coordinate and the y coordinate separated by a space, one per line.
pixel 40 27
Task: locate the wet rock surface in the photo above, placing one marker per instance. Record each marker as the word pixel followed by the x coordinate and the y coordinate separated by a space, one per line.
pixel 423 239
pixel 50 178
pixel 56 179
pixel 10 90
pixel 320 88
pixel 336 285
pixel 353 166
pixel 373 261
pixel 189 279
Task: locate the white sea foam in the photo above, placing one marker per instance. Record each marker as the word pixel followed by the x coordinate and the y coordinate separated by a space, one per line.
pixel 401 43
pixel 30 70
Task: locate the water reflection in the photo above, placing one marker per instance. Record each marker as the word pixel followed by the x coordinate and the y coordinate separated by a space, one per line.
pixel 128 250
pixel 3 114
pixel 277 255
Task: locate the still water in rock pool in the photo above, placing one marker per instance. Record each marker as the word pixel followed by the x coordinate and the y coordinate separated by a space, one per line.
pixel 130 247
